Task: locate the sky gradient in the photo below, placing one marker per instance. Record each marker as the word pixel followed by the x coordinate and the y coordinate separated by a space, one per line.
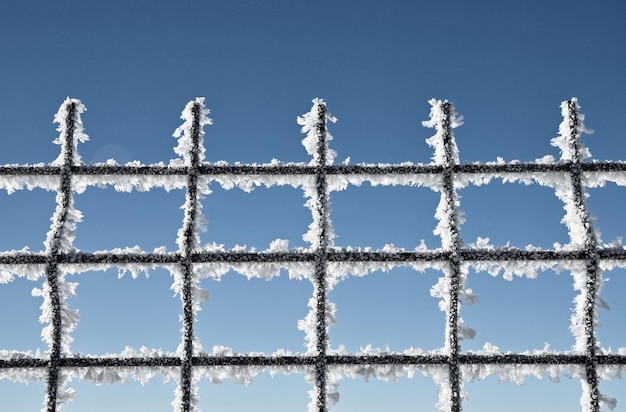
pixel 505 65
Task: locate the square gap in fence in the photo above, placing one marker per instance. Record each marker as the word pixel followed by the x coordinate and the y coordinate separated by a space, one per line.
pixel 17 396
pixel 418 393
pixel 257 218
pixel 393 309
pixel 21 329
pixel 606 207
pixel 373 216
pixel 265 393
pixel 611 332
pixel 131 396
pixel 493 394
pixel 254 315
pixel 119 312
pixel 118 219
pixel 361 139
pixel 512 214
pixel 274 135
pixel 25 218
pixel 522 314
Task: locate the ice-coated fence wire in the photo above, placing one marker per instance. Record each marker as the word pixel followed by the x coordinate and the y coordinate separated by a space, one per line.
pixel 590 385
pixel 323 264
pixel 449 198
pixel 57 237
pixel 322 211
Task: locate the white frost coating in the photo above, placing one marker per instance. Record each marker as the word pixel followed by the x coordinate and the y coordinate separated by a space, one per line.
pixel 391 372
pixel 437 117
pixel 562 141
pixel 582 237
pixel 188 238
pixel 548 179
pixel 573 218
pixel 578 371
pixel 442 291
pixel 309 122
pixel 128 183
pixel 337 183
pixel 296 270
pixel 579 274
pixel 194 396
pixel 262 270
pixel 135 269
pixel 100 375
pixel 184 132
pixel 510 268
pixel 513 373
pixel 65 227
pixel 441 377
pixel 199 222
pixel 78 135
pixel 243 375
pixel 444 225
pixel 69 317
pixel 187 277
pixel 599 179
pixel 18 182
pixel 309 325
pixel 23 375
pixel 313 235
pixel 333 376
pixel 60 240
pixel 247 183
pixel 606 372
pixel 64 392
pixel 197 295
pixel 337 271
pixel 30 271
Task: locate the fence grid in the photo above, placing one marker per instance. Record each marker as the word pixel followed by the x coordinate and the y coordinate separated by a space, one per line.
pixel 322 263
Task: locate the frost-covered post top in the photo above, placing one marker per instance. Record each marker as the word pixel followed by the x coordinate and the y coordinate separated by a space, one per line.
pixel 443 117
pixel 71 131
pixel 196 116
pixel 314 125
pixel 570 130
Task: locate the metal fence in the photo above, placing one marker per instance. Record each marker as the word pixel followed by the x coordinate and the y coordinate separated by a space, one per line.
pixel 322 263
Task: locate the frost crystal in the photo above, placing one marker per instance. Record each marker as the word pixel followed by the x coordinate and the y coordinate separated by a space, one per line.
pixel 71 131
pixel 312 126
pixel 571 126
pixel 194 122
pixel 440 120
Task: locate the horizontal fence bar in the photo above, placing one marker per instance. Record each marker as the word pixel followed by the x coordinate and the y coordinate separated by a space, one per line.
pixel 298 169
pixel 466 255
pixel 303 360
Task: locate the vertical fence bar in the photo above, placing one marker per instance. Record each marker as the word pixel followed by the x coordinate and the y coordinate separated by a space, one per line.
pixel 321 259
pixel 454 259
pixel 591 253
pixel 54 247
pixel 191 211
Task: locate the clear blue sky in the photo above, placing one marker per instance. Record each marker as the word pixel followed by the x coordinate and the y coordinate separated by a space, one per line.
pixel 505 65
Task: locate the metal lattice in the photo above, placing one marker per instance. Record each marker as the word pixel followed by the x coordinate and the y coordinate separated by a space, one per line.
pixel 322 263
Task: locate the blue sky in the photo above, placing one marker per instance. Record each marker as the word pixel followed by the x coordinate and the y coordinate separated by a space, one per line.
pixel 505 65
